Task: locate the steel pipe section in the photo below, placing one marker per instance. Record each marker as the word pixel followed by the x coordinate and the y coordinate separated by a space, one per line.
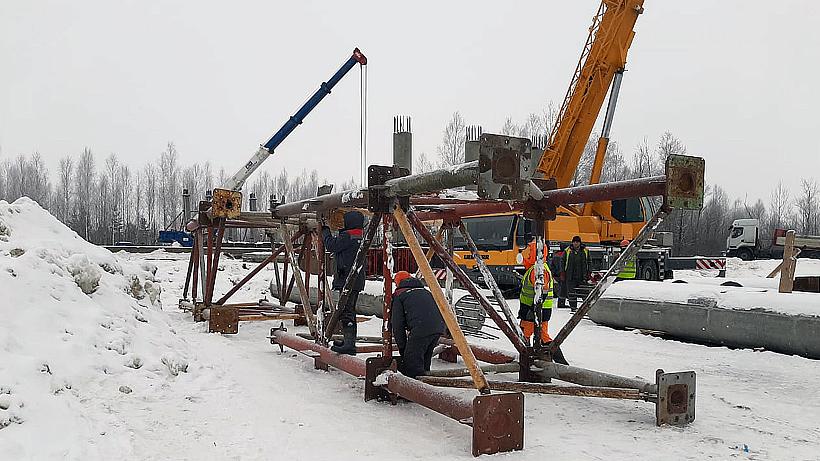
pixel 448 404
pixel 484 354
pixel 642 187
pixel 347 363
pixel 584 377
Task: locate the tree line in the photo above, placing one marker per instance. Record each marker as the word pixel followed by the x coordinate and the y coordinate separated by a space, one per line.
pixel 106 200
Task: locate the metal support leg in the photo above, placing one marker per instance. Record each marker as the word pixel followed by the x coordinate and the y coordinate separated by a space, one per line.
pixel 294 265
pixel 608 279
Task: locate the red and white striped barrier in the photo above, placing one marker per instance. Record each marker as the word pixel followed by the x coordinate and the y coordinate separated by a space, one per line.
pixel 710 263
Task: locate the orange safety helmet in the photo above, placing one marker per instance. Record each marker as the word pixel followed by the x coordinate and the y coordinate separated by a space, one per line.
pixel 624 243
pixel 400 276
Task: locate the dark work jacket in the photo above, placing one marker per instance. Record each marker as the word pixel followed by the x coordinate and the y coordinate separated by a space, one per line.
pixel 577 263
pixel 557 264
pixel 344 247
pixel 414 310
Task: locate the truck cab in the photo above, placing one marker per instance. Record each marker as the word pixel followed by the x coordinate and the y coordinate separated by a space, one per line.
pixel 744 238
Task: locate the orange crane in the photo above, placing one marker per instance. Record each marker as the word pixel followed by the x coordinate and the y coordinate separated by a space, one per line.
pixel 599 68
pixel 601 65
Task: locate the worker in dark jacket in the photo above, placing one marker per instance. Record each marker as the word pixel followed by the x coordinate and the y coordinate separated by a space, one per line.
pixel 557 268
pixel 416 323
pixel 344 247
pixel 576 270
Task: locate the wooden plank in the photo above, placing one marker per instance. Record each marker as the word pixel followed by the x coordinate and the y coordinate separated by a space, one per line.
pixel 777 269
pixel 303 294
pixel 479 381
pixel 788 265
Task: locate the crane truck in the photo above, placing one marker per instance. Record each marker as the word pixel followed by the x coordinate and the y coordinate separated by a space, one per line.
pixel 744 242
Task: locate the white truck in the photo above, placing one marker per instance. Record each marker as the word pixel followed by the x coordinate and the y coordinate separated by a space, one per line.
pixel 744 242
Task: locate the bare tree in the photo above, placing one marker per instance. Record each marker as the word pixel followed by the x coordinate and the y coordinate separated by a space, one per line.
pixel 151 188
pixel 451 149
pixel 808 207
pixel 423 164
pixel 615 166
pixel 64 185
pixel 84 190
pixel 779 206
pixel 584 169
pixel 509 128
pixel 169 184
pixel 642 160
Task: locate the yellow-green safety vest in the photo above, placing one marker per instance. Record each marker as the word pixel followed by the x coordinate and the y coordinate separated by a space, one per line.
pixel 629 271
pixel 527 295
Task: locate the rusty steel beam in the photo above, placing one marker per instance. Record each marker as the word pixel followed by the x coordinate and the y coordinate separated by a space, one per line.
pixel 485 354
pixel 511 367
pixel 347 363
pixel 537 388
pixel 641 187
pixel 584 377
pixel 456 407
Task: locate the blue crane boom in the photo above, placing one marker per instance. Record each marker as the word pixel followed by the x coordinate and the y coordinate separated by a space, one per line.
pixel 237 180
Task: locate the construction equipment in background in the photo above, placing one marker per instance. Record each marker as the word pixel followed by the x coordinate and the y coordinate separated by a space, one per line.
pixel 236 181
pixel 744 242
pixel 502 237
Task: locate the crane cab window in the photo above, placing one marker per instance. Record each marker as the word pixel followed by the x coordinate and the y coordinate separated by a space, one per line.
pixel 523 230
pixel 488 232
pixel 628 210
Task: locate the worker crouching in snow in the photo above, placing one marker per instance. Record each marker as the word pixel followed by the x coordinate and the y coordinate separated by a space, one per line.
pixel 416 323
pixel 344 247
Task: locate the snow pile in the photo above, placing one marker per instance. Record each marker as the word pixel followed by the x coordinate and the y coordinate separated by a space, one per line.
pixel 79 329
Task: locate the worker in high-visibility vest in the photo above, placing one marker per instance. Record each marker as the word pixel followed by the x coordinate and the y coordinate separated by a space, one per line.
pixel 527 303
pixel 630 270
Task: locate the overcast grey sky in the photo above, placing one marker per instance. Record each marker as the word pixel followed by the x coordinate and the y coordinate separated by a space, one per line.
pixel 735 80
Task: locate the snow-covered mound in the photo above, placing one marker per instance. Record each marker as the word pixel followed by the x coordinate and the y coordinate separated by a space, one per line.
pixel 78 328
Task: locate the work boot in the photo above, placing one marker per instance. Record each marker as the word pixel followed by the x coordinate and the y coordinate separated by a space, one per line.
pixel 528 328
pixel 545 334
pixel 348 345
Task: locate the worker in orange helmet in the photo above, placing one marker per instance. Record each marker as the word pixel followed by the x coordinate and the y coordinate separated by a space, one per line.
pixel 527 301
pixel 630 271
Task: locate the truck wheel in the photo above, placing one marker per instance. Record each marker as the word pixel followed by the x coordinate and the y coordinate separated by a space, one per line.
pixel 745 254
pixel 649 271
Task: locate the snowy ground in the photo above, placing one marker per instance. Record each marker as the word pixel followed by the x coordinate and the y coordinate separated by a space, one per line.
pixel 239 398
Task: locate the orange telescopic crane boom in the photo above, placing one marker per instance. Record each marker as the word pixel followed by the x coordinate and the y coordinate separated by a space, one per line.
pixel 601 65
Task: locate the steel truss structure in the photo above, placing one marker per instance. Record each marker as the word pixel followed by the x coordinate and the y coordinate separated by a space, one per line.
pixel 399 202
